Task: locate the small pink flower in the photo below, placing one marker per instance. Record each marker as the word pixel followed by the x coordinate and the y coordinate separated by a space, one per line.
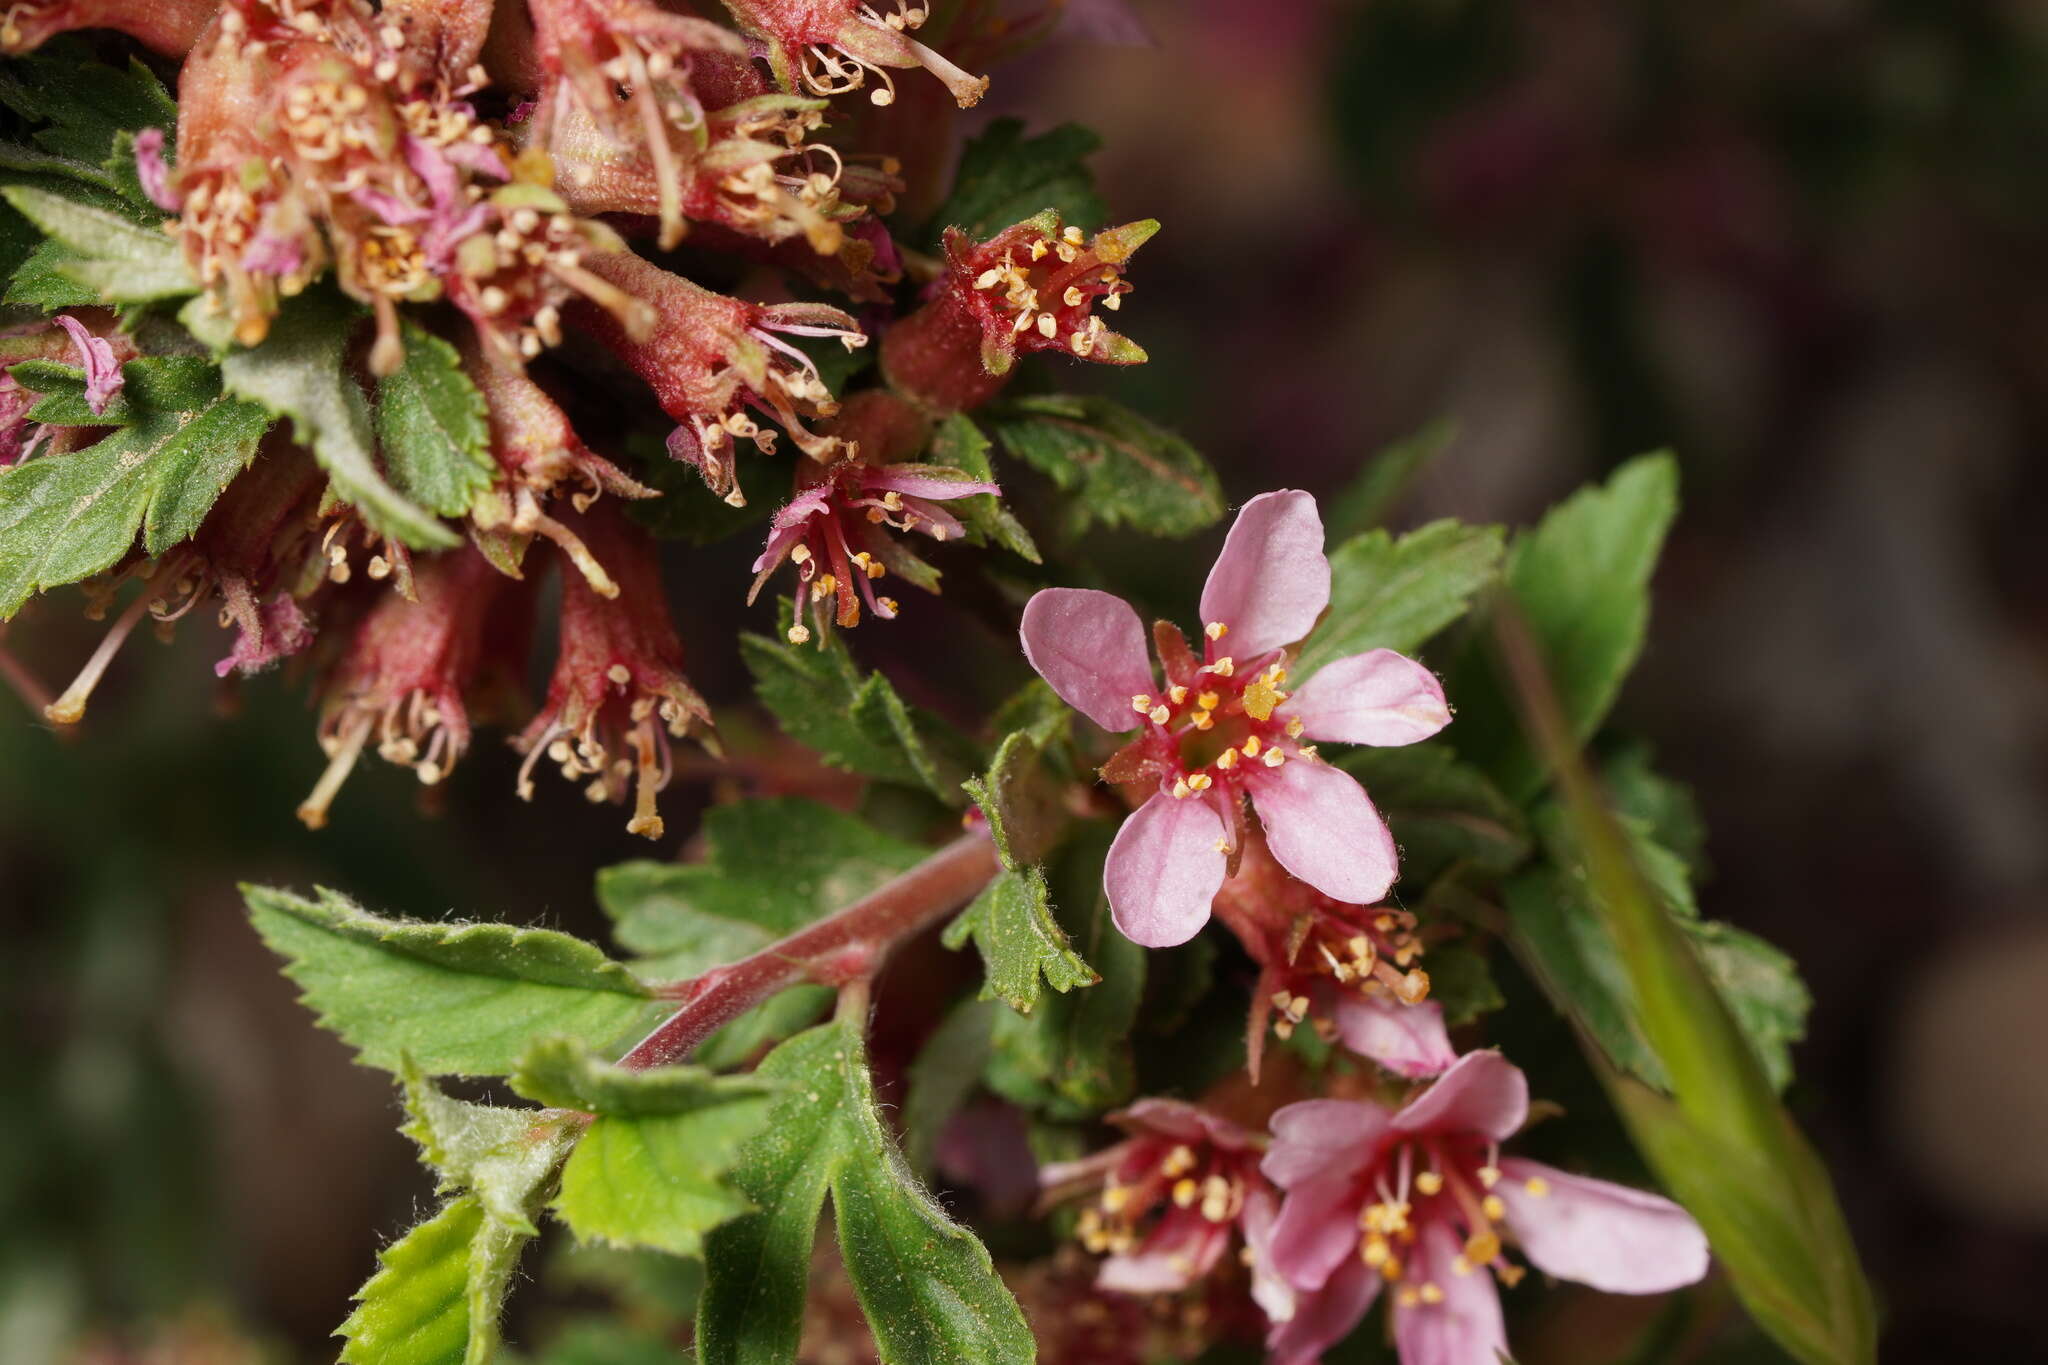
pixel 1420 1198
pixel 1224 729
pixel 96 356
pixel 1171 1195
pixel 1349 970
pixel 153 173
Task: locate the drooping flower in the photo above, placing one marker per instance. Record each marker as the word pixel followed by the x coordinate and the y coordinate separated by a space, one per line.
pixel 1348 970
pixel 1419 1199
pixel 618 694
pixel 710 359
pixel 64 337
pixel 96 358
pixel 1224 729
pixel 166 26
pixel 1031 287
pixel 1170 1198
pixel 829 47
pixel 836 528
pixel 409 674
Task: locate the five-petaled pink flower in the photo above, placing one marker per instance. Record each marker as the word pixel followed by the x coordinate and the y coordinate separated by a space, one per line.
pixel 1420 1199
pixel 1224 729
pixel 1170 1195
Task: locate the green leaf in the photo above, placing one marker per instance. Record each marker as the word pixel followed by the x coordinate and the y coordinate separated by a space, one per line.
pixel 1012 924
pixel 118 259
pixel 1071 1056
pixel 67 517
pixel 854 721
pixel 959 444
pixel 1395 594
pixel 300 371
pixel 41 282
pixel 1005 178
pixel 1021 803
pixel 503 1156
pixel 1365 502
pixel 928 1288
pixel 1123 469
pixel 436 1294
pixel 464 999
pixel 149 384
pixel 946 1072
pixel 1461 982
pixel 433 427
pixel 1443 813
pixel 650 1170
pixel 82 102
pixel 1580 581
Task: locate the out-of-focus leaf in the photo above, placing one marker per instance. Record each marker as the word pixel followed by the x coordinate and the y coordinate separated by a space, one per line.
pixel 464 999
pixel 120 260
pixel 946 1072
pixel 433 428
pixel 300 371
pixel 959 444
pixel 1461 982
pixel 1005 177
pixel 40 282
pixel 1123 469
pixel 1395 594
pixel 651 1169
pixel 66 517
pixel 81 102
pixel 927 1287
pixel 1364 503
pixel 1443 812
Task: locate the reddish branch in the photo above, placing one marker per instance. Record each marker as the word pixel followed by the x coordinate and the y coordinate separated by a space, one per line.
pixel 845 947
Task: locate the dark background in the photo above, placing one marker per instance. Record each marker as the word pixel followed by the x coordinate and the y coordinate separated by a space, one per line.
pixel 1798 242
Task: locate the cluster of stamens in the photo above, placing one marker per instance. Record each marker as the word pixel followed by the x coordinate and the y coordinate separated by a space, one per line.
pixel 617 752
pixel 1366 951
pixel 1050 303
pixel 1157 1183
pixel 1456 1189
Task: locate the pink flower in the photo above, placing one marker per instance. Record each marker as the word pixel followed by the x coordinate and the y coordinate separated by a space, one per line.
pixel 153 173
pixel 1420 1198
pixel 1223 730
pixel 1171 1195
pixel 96 357
pixel 1349 970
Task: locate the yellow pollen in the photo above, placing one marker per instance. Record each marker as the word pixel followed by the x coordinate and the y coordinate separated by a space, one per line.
pixel 1295 727
pixel 1432 1293
pixel 1072 298
pixel 1115 1197
pixel 1227 759
pixel 1274 758
pixel 1429 1182
pixel 801 554
pixel 1141 703
pixel 1537 1186
pixel 1159 715
pixel 1202 720
pixel 1223 667
pixel 1184 1191
pixel 1073 234
pixel 1223 846
pixel 1181 790
pixel 1178 693
pixel 1489 1176
pixel 1201 782
pixel 1207 701
pixel 619 674
pixel 1391 1271
pixel 1038 250
pixel 1482 1248
pixel 1374 1250
pixel 1494 1207
pixel 1215 630
pixel 1251 747
pixel 1260 699
pixel 1179 1161
pixel 1459 1265
pixel 1510 1275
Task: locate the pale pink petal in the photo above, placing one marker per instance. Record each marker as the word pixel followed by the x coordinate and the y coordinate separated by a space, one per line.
pixel 151 171
pixel 1325 1317
pixel 1484 1094
pixel 1091 647
pixel 1613 1238
pixel 924 482
pixel 285 631
pixel 1271 582
pixel 1322 827
pixel 1321 1137
pixel 1379 697
pixel 1317 1230
pixel 1111 22
pixel 103 378
pixel 1182 1121
pixel 1182 1249
pixel 1408 1040
pixel 1465 1327
pixel 1164 869
pixel 1276 1298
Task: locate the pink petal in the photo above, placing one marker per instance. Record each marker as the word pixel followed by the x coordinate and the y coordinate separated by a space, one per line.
pixel 1322 827
pixel 1484 1094
pixel 1321 1137
pixel 1182 1249
pixel 1164 869
pixel 1276 1298
pixel 1408 1040
pixel 1465 1328
pixel 1091 647
pixel 1378 697
pixel 1324 1318
pixel 925 485
pixel 153 173
pixel 1271 582
pixel 1317 1231
pixel 285 631
pixel 1182 1121
pixel 103 378
pixel 1613 1238
pixel 1112 22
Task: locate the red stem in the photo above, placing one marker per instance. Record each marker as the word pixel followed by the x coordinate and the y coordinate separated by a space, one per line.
pixel 846 946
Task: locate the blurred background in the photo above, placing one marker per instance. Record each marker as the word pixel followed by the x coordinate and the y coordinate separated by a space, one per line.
pixel 1799 242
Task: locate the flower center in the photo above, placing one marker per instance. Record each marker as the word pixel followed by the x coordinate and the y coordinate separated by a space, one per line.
pixel 1454 1188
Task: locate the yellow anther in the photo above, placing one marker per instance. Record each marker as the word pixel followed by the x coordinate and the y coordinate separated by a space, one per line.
pixel 1038 250
pixel 1208 700
pixel 988 279
pixel 1274 758
pixel 619 674
pixel 1295 726
pixel 1201 782
pixel 1459 1265
pixel 1178 693
pixel 1537 1186
pixel 1260 699
pixel 1141 703
pixel 1489 1176
pixel 1223 667
pixel 1482 1247
pixel 1432 1293
pixel 875 569
pixel 1115 1197
pixel 1160 715
pixel 1184 1191
pixel 1374 1251
pixel 1391 1270
pixel 1494 1207
pixel 1072 298
pixel 1251 747
pixel 1227 759
pixel 1179 1161
pixel 1215 630
pixel 1181 789
pixel 1073 234
pixel 1202 720
pixel 1429 1182
pixel 801 554
pixel 1047 325
pixel 1223 846
pixel 1510 1275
